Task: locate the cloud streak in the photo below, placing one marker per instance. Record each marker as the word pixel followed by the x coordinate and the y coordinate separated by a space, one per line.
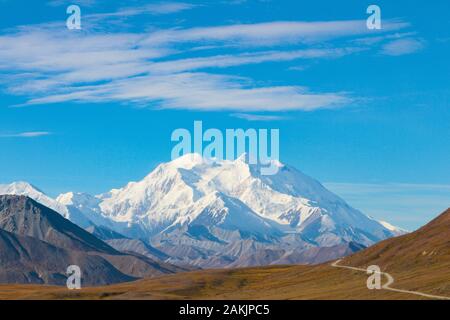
pixel 225 61
pixel 30 134
pixel 56 3
pixel 151 9
pixel 258 117
pixel 402 46
pixel 200 91
pixel 48 64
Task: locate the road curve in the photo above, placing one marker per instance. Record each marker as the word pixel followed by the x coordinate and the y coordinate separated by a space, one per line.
pixel 390 281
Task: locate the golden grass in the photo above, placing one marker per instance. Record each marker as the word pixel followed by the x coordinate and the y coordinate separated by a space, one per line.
pixel 279 282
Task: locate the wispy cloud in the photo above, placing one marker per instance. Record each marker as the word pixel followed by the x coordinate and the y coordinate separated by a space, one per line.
pixel 149 9
pixel 371 40
pixel 49 64
pixel 402 47
pixel 258 117
pixel 200 91
pixel 272 33
pixel 87 3
pixel 30 134
pixel 224 61
pixel 163 7
pixel 298 68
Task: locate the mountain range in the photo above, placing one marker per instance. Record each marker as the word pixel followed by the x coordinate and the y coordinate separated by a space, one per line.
pixel 206 213
pixel 37 245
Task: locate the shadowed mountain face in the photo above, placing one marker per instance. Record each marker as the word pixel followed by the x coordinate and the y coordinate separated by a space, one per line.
pixel 37 245
pixel 24 216
pixel 104 233
pixel 29 260
pixel 137 246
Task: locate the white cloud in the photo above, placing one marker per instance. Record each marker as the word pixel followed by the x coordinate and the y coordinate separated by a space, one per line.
pixel 224 61
pixel 169 7
pixel 87 3
pixel 50 64
pixel 30 134
pixel 377 39
pixel 298 68
pixel 258 117
pixel 271 33
pixel 402 47
pixel 199 91
pixel 151 9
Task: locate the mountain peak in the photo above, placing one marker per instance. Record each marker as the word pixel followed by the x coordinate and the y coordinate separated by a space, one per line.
pixel 70 198
pixel 394 229
pixel 26 189
pixel 23 215
pixel 243 157
pixel 192 160
pixel 183 188
pixel 188 161
pixel 18 187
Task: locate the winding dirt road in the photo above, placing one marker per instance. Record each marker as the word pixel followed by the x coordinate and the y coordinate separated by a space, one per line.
pixel 390 281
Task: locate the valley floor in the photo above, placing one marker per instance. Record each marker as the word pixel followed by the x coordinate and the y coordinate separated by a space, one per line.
pixel 276 282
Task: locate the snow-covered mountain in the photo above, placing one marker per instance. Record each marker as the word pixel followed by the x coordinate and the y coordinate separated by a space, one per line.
pixel 180 191
pixel 214 213
pixel 25 189
pixel 21 188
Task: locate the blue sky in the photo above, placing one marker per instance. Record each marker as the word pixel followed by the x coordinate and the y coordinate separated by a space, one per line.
pixel 364 111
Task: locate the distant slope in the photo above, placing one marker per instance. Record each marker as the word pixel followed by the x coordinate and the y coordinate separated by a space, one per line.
pixel 137 246
pixel 24 216
pixel 30 222
pixel 29 260
pixel 428 246
pixel 104 233
pixel 420 261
